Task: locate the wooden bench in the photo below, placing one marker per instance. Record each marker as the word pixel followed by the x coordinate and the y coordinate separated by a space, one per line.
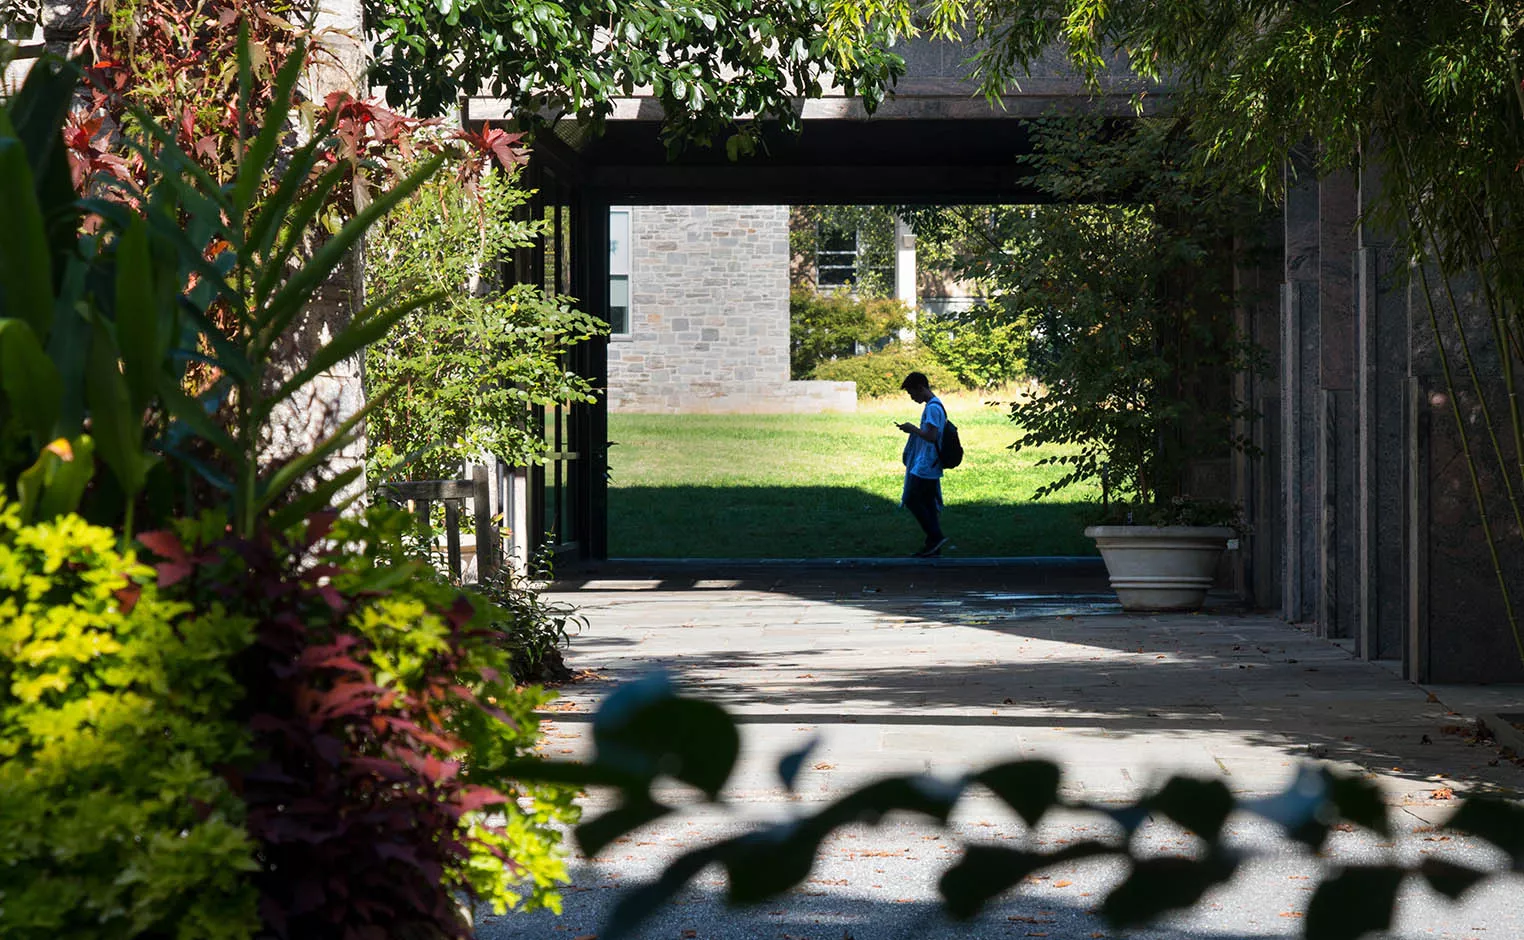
pixel 455 495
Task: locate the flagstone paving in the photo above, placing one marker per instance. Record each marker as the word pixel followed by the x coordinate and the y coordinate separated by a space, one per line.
pixel 945 669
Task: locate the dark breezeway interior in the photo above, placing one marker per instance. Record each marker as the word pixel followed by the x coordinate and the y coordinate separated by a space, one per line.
pixel 1358 524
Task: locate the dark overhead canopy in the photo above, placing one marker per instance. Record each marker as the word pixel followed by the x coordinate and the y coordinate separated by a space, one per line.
pixel 847 162
pixel 935 140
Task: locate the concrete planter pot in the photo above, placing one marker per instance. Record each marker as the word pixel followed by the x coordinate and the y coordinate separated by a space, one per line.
pixel 1161 567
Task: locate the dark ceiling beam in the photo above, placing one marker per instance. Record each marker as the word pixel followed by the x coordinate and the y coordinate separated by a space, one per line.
pixel 751 184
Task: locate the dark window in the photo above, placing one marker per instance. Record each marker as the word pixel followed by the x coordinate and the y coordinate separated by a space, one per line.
pixel 836 257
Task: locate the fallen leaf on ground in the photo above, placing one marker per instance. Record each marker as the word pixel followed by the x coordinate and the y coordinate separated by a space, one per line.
pixel 1443 793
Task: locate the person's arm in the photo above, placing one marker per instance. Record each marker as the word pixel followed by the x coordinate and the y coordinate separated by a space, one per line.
pixel 926 432
pixel 930 431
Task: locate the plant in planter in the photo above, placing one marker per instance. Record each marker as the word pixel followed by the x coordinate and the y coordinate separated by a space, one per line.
pixel 1125 284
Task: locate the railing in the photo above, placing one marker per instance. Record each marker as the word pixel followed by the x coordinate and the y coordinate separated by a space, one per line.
pixel 421 495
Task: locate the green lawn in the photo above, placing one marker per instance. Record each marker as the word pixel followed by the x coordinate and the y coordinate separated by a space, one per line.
pixel 824 486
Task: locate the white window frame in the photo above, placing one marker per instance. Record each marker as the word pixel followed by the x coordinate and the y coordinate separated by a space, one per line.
pixel 627 273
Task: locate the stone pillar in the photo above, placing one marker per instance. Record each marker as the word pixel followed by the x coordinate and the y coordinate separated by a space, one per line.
pixel 1337 211
pixel 1300 361
pixel 1381 391
pixel 319 408
pixel 1459 630
pixel 1256 479
pixel 904 264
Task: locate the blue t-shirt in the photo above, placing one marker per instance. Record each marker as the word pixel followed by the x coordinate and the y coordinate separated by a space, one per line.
pixel 923 453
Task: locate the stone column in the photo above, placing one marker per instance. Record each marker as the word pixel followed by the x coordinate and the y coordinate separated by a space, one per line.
pixel 1381 391
pixel 319 408
pixel 1256 479
pixel 1459 630
pixel 904 263
pixel 1300 360
pixel 1337 210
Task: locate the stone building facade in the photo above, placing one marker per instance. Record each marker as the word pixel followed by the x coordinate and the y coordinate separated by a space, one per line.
pixel 707 323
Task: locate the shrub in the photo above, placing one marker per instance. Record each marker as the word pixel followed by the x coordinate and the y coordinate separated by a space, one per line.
pixel 530 628
pixel 1137 340
pixel 880 373
pixel 828 326
pixel 982 349
pixel 382 708
pixel 115 708
pixel 460 376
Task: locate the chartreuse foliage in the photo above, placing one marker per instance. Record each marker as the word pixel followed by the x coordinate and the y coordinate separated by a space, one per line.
pixel 647 731
pixel 116 718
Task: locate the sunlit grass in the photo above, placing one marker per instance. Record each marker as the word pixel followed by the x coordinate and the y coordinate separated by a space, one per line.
pixel 792 486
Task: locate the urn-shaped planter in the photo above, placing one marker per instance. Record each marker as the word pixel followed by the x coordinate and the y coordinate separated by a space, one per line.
pixel 1161 567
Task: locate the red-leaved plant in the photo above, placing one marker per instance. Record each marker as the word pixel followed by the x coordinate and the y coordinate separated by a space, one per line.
pixel 367 684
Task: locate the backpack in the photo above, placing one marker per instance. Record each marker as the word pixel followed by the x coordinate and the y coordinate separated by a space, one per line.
pixel 950 454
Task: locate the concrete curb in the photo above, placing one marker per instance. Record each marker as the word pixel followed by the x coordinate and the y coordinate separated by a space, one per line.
pixel 1074 562
pixel 1502 731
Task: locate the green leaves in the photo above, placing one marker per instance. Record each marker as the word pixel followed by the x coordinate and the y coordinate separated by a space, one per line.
pixel 1498 821
pixel 1158 886
pixel 117 425
pixel 1317 799
pixel 464 371
pixel 141 307
pixel 113 716
pixel 29 382
pixel 646 730
pixel 1115 296
pixel 1029 787
pixel 1201 806
pixel 55 484
pixel 710 64
pixel 984 873
pixel 1353 903
pixel 26 270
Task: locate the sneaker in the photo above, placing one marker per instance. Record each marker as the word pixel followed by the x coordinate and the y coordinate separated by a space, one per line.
pixel 933 549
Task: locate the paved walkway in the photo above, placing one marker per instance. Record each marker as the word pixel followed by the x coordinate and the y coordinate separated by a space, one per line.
pixel 948 668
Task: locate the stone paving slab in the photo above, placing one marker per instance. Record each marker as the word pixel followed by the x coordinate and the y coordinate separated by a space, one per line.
pixel 908 670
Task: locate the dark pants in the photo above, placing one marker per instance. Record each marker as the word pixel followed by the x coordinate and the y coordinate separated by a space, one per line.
pixel 921 500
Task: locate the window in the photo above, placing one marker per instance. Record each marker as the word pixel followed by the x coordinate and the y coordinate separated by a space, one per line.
pixel 619 272
pixel 836 257
pixel 859 259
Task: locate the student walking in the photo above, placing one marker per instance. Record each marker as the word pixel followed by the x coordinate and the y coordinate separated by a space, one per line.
pixel 923 469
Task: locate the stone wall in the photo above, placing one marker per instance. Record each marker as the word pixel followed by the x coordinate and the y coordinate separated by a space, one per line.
pixel 709 317
pixel 1383 542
